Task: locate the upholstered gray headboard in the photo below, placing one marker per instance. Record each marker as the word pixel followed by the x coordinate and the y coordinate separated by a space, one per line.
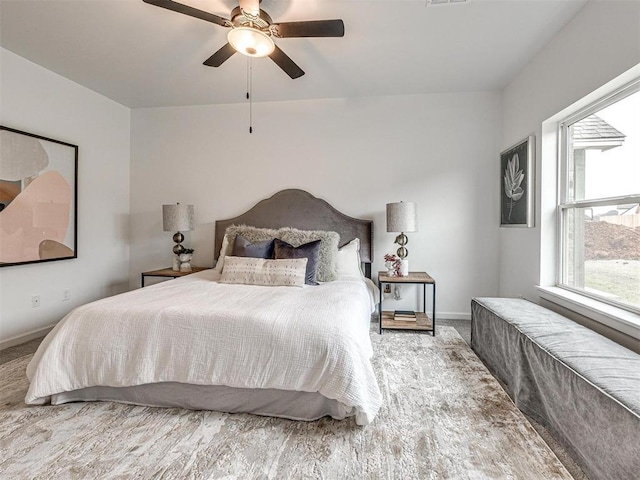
pixel 299 209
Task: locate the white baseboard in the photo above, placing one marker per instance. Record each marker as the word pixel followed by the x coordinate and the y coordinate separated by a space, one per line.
pixel 452 316
pixel 25 337
pixel 439 316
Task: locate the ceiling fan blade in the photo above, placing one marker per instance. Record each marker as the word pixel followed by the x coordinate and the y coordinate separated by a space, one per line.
pixel 314 28
pixel 285 63
pixel 220 56
pixel 187 10
pixel 251 7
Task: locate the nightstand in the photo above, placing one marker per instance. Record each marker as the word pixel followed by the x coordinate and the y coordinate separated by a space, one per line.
pixel 423 322
pixel 169 273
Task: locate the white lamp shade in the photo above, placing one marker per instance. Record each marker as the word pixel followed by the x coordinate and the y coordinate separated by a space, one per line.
pixel 402 217
pixel 177 218
pixel 251 42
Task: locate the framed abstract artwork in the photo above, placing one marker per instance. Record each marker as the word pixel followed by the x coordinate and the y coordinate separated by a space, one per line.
pixel 38 198
pixel 517 185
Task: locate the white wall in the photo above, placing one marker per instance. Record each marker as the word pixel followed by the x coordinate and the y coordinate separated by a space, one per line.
pixel 358 154
pixel 600 43
pixel 38 101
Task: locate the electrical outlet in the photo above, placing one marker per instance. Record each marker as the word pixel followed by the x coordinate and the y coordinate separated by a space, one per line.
pixel 35 301
pixel 387 288
pixel 66 295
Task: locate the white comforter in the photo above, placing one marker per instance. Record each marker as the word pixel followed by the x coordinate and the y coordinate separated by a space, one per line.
pixel 197 331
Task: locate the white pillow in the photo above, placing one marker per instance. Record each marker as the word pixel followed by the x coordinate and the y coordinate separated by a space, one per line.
pixel 348 261
pixel 262 271
pixel 223 250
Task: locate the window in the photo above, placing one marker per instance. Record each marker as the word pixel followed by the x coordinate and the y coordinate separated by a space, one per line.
pixel 599 210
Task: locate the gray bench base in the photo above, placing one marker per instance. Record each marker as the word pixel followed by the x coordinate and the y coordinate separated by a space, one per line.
pixel 582 386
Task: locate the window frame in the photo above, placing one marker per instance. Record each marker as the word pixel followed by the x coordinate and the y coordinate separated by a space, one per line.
pixel 563 204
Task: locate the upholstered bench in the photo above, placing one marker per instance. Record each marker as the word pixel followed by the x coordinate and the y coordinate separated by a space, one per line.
pixel 582 386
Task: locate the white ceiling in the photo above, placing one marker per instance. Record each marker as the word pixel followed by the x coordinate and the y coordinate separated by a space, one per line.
pixel 144 56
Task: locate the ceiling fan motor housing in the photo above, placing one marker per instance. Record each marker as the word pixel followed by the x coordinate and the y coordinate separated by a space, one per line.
pixel 250 34
pixel 262 21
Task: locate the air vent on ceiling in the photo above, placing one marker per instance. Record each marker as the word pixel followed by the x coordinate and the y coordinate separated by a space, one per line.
pixel 437 3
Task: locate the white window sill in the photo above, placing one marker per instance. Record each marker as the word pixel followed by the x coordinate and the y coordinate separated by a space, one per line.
pixel 614 317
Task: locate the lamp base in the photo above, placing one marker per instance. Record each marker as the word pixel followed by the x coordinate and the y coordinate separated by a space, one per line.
pixel 176 264
pixel 404 267
pixel 402 240
pixel 178 238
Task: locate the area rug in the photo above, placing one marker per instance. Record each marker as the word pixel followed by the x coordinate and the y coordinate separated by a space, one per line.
pixel 444 417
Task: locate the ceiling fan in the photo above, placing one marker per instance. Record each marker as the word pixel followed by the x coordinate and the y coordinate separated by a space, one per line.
pixel 252 30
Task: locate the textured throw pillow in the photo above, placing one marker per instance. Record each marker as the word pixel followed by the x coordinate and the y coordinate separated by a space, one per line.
pixel 267 272
pixel 310 251
pixel 242 247
pixel 326 271
pixel 348 259
pixel 252 234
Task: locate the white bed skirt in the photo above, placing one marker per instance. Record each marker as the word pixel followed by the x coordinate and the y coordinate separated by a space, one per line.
pixel 269 402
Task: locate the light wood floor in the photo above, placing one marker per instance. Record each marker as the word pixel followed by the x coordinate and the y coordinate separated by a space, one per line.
pixel 18 351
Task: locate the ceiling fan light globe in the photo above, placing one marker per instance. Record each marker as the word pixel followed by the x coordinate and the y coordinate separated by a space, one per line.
pixel 251 42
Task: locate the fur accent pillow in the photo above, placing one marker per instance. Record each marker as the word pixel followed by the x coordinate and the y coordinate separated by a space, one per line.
pixel 307 250
pixel 262 271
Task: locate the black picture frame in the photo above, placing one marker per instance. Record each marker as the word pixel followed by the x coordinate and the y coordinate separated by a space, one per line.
pixel 38 198
pixel 517 184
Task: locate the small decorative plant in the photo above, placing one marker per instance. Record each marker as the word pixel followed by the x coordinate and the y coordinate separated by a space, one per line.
pixel 393 264
pixel 185 259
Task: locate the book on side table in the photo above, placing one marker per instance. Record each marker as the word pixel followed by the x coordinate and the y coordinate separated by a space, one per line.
pixel 404 316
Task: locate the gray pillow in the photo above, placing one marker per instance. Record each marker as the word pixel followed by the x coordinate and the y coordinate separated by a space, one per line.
pixel 327 257
pixel 310 251
pixel 253 234
pixel 242 247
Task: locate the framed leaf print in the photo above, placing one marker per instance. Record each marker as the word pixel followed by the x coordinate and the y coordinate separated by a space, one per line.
pixel 38 198
pixel 517 184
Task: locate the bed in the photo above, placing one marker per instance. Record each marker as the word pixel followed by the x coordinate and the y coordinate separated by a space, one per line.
pixel 203 342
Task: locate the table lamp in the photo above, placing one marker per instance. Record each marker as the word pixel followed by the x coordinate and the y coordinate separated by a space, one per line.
pixel 402 217
pixel 177 218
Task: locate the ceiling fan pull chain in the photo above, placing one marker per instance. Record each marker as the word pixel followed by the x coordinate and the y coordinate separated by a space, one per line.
pixel 248 59
pixel 250 94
